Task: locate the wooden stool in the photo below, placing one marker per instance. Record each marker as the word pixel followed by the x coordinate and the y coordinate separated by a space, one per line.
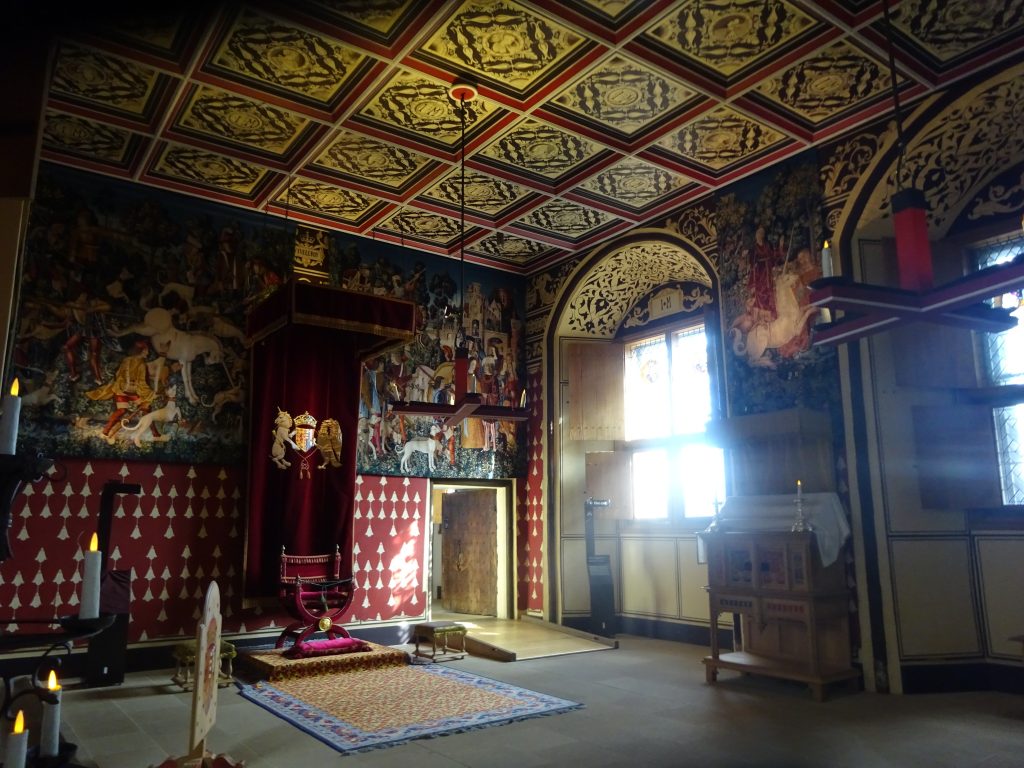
pixel 440 633
pixel 184 654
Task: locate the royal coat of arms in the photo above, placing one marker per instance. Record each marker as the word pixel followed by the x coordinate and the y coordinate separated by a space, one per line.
pixel 304 439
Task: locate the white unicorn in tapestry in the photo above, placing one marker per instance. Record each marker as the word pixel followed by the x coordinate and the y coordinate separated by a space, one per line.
pixel 753 335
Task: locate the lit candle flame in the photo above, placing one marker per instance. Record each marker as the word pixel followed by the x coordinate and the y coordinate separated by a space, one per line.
pixel 52 683
pixel 826 244
pixel 797 483
pixel 94 543
pixel 14 387
pixel 19 722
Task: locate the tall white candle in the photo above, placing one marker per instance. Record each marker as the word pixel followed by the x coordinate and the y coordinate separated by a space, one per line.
pixel 90 607
pixel 49 739
pixel 17 744
pixel 9 421
pixel 799 489
pixel 826 261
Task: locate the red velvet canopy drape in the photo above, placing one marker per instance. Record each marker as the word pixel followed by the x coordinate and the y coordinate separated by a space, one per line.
pixel 308 344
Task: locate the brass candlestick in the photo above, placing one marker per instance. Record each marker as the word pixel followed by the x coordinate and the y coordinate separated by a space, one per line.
pixel 716 521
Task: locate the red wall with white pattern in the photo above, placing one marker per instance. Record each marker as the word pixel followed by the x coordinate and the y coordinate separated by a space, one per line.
pixel 530 510
pixel 186 528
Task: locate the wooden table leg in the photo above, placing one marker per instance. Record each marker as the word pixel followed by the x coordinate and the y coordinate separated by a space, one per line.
pixel 710 673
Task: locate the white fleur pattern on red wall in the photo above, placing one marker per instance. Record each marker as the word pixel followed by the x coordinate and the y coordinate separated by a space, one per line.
pixel 388 563
pixel 186 528
pixel 532 566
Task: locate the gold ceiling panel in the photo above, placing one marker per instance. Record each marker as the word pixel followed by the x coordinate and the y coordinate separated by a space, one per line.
pixel 568 220
pixel 263 51
pixel 508 247
pixel 88 76
pixel 594 114
pixel 484 194
pixel 829 83
pixel 728 35
pixel 624 95
pixel 197 166
pixel 220 115
pixel 328 200
pixel 423 225
pixel 419 107
pixel 515 48
pixel 951 29
pixel 720 138
pixel 381 17
pixel 540 149
pixel 87 138
pixel 612 9
pixel 360 158
pixel 161 32
pixel 634 184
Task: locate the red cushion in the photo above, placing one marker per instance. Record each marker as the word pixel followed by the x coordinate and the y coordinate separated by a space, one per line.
pixel 326 647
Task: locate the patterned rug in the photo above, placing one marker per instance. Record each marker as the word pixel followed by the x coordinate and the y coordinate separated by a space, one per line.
pixel 365 709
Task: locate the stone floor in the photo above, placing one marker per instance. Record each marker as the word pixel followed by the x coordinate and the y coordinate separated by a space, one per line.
pixel 646 704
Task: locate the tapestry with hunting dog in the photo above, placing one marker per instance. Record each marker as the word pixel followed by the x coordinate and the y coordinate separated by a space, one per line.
pixel 130 338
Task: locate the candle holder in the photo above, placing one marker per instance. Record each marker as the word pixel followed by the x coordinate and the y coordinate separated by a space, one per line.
pixel 801 524
pixel 63 759
pixel 15 471
pixel 715 526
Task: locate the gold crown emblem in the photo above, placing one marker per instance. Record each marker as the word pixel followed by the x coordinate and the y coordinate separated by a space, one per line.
pixel 305 420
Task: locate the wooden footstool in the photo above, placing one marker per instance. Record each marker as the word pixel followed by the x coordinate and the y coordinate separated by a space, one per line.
pixel 440 633
pixel 184 654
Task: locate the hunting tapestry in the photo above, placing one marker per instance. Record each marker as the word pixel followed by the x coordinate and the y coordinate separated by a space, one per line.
pixel 130 338
pixel 487 322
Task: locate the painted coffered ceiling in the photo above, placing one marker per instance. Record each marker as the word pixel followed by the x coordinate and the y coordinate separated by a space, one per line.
pixel 594 116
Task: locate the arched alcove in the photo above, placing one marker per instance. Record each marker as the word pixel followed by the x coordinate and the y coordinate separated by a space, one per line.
pixel 601 295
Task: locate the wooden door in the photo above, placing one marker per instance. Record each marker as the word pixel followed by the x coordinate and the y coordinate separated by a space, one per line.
pixel 469 552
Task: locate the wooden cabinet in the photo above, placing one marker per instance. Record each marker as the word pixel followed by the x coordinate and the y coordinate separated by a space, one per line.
pixel 794 611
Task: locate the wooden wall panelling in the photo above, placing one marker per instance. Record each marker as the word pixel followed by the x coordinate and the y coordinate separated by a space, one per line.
pixel 999 559
pixel 608 477
pixel 955 451
pixel 934 598
pixel 596 373
pixel 768 452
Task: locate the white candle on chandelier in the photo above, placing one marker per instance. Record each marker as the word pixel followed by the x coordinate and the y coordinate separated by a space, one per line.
pixel 90 607
pixel 49 740
pixel 17 744
pixel 826 260
pixel 799 490
pixel 9 421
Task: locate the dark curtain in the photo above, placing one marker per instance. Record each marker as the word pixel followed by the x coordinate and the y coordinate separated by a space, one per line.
pixel 306 357
pixel 300 369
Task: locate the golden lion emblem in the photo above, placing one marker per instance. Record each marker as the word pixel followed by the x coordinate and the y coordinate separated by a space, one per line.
pixel 328 441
